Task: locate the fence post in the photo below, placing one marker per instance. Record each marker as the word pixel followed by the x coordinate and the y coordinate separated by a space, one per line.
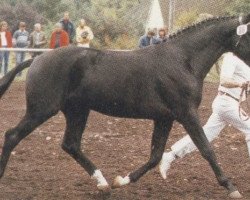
pixel 171 15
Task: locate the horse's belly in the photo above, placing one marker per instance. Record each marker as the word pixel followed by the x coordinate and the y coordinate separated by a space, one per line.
pixel 117 110
pixel 131 111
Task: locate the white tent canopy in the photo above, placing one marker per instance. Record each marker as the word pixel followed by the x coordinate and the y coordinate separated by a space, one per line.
pixel 155 19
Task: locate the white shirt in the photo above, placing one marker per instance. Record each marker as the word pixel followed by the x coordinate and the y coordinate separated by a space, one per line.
pixel 79 38
pixel 3 39
pixel 236 69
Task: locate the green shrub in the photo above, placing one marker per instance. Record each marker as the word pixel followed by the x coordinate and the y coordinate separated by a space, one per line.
pixel 186 18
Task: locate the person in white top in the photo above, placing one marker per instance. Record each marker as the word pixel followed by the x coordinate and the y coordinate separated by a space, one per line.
pixel 234 75
pixel 5 42
pixel 84 35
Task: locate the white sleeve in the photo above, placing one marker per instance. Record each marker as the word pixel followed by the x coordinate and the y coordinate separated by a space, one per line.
pixel 228 66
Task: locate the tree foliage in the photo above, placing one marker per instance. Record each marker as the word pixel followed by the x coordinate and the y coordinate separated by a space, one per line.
pixel 117 23
pixel 239 7
pixel 20 11
pixel 51 10
pixel 186 18
pixel 111 21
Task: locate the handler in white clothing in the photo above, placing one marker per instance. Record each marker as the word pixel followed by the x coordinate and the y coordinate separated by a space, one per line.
pixel 234 75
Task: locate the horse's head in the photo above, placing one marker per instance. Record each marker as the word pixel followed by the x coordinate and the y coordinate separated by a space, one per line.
pixel 241 39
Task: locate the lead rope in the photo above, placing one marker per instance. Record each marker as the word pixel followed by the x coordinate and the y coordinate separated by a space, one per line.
pixel 237 44
pixel 241 111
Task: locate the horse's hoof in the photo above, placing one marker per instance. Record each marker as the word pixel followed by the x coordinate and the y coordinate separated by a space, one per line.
pixel 104 189
pixel 235 195
pixel 120 181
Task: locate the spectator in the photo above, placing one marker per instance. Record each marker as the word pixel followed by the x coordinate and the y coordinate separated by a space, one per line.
pixel 37 39
pixel 59 37
pixel 84 34
pixel 162 36
pixel 146 39
pixel 21 40
pixel 15 28
pixel 5 42
pixel 68 26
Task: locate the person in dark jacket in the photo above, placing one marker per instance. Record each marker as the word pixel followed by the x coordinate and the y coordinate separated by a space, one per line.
pixel 21 40
pixel 68 26
pixel 147 39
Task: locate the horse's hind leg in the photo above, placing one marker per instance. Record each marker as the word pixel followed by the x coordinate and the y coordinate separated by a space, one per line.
pixel 15 135
pixel 192 125
pixel 160 136
pixel 75 125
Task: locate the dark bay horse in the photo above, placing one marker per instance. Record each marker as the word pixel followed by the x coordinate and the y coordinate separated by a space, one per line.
pixel 162 83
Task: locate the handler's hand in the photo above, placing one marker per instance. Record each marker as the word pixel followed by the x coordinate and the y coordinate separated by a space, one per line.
pixel 245 84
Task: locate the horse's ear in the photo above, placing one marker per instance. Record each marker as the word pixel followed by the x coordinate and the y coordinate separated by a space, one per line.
pixel 246 19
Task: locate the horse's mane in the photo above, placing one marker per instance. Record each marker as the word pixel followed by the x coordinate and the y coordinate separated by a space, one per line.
pixel 199 24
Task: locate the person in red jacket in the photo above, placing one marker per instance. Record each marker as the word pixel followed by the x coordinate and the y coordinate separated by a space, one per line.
pixel 59 37
pixel 5 42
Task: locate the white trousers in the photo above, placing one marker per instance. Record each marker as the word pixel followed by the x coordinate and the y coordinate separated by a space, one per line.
pixel 225 111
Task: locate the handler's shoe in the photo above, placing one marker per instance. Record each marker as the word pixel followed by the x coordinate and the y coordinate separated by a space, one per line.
pixel 165 164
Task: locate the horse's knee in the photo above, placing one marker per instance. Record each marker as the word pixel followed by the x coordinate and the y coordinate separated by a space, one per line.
pixel 66 147
pixel 69 148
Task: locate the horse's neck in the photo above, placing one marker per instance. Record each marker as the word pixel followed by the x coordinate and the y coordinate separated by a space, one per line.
pixel 203 49
pixel 203 60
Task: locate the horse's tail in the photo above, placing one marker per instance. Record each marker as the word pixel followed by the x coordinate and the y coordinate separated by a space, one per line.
pixel 6 81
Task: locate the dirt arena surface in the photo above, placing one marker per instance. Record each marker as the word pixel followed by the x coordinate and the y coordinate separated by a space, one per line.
pixel 39 169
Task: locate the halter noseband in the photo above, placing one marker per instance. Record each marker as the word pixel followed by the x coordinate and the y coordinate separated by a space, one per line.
pixel 241 19
pixel 242 29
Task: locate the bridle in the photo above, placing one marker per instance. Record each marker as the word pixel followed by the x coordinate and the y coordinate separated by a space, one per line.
pixel 242 29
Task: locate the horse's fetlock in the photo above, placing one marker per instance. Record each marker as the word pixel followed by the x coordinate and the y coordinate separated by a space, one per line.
pixel 133 178
pixel 223 182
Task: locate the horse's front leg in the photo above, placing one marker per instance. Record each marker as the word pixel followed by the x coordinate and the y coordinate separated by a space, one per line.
pixel 160 135
pixel 192 125
pixel 76 119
